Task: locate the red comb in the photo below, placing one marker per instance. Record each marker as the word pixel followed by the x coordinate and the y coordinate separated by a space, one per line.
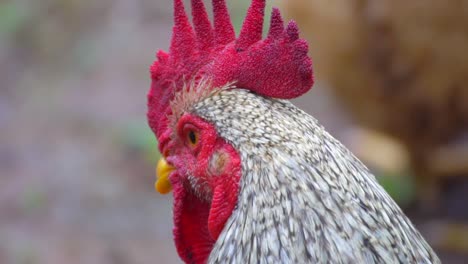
pixel 277 66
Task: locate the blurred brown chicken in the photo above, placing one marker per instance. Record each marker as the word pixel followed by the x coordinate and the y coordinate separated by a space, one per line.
pixel 400 67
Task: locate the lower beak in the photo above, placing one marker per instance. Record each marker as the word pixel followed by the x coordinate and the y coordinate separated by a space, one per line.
pixel 163 170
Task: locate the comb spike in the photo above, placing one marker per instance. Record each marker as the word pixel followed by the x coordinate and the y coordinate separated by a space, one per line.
pixel 162 57
pixel 202 25
pixel 276 24
pixel 252 28
pixel 155 70
pixel 182 36
pixel 224 31
pixel 292 30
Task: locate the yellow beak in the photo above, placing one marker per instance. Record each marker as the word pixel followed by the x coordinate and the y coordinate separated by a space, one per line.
pixel 163 170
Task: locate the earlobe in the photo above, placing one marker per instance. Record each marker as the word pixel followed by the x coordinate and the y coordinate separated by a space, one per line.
pixel 226 190
pixel 218 163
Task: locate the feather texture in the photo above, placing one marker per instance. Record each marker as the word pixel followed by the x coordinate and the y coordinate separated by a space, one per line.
pixel 304 198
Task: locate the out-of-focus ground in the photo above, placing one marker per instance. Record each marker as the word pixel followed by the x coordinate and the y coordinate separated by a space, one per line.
pixel 76 155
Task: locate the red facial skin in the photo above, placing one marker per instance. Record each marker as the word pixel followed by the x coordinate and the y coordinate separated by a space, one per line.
pixel 200 213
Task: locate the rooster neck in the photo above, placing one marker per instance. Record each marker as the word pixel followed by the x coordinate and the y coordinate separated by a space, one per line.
pixel 303 196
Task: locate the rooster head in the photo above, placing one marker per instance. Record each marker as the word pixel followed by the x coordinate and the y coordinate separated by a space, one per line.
pixel 203 169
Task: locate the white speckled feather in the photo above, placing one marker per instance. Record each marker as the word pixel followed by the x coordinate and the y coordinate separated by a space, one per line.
pixel 304 198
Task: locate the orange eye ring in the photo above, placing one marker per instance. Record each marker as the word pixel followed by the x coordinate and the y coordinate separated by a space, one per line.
pixel 192 137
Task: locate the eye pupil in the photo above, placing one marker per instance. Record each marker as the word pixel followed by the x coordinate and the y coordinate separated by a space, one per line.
pixel 192 137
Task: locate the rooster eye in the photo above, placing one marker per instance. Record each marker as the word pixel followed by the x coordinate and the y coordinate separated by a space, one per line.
pixel 192 137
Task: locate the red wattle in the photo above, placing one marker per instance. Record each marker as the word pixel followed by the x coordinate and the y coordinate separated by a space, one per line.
pixel 221 209
pixel 191 236
pixel 199 220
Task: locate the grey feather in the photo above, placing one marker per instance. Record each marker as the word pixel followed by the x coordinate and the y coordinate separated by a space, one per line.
pixel 304 198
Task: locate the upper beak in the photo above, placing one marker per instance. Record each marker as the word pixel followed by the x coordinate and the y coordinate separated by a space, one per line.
pixel 163 170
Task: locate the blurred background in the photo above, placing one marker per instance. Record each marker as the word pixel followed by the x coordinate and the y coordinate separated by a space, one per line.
pixel 77 157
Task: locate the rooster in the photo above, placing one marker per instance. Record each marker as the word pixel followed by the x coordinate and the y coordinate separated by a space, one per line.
pixel 255 179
